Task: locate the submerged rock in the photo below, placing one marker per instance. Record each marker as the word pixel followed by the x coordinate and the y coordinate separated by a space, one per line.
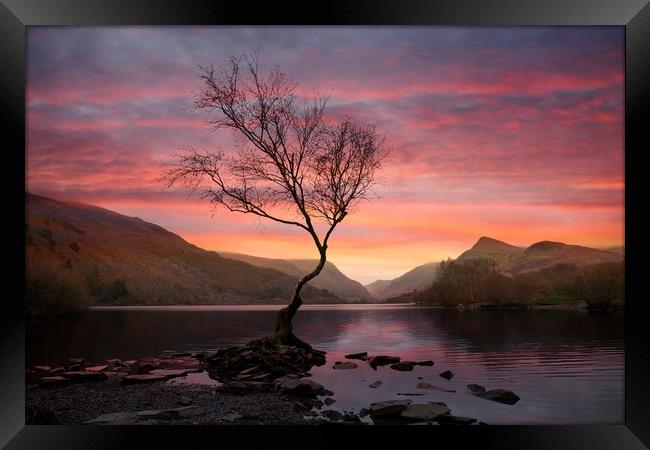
pixel 432 387
pixel 362 356
pixel 376 384
pixel 473 388
pixel 499 395
pixel 382 360
pixel 424 363
pixel 389 407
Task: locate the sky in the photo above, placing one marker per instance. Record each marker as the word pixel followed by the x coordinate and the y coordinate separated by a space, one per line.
pixel 512 133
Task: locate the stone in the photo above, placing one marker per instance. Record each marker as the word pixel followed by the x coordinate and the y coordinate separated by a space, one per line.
pixel 184 400
pixel 427 411
pixel 301 387
pixel 145 368
pixel 351 418
pixel 389 407
pixel 173 413
pixel 114 362
pixel 424 363
pixel 76 360
pixel 329 401
pixel 473 388
pixel 432 387
pixel 499 395
pixel 364 412
pixel 129 362
pixel 96 368
pixel 42 368
pixel 118 418
pixel 332 415
pixel 142 378
pixel 447 375
pixel 362 356
pixel 85 376
pixel 344 365
pixel 382 360
pixel 404 366
pixel 375 385
pixel 447 419
pixel 74 368
pixel 53 380
pixel 231 417
pixel 57 370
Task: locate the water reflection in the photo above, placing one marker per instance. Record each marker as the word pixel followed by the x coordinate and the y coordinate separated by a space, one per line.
pixel 567 366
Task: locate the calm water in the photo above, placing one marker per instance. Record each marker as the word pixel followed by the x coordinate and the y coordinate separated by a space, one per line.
pixel 567 366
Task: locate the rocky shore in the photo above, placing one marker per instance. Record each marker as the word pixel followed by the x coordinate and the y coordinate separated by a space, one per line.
pixel 257 384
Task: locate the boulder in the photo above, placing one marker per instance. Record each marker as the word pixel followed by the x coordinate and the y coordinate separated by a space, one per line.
pixel 473 388
pixel 424 363
pixel 447 375
pixel 85 376
pixel 376 384
pixel 344 365
pixel 428 411
pixel 301 387
pixel 173 413
pixel 404 366
pixel 362 356
pixel 389 407
pixel 96 368
pixel 142 378
pixel 499 395
pixel 447 419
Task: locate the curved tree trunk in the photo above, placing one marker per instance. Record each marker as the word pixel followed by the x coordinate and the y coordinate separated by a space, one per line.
pixel 284 319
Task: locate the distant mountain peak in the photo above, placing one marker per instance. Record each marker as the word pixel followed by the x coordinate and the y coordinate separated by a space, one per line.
pixel 488 243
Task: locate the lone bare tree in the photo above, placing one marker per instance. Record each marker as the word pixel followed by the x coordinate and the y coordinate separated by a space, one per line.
pixel 297 166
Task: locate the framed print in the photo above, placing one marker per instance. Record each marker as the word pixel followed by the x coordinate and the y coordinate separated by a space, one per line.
pixel 369 217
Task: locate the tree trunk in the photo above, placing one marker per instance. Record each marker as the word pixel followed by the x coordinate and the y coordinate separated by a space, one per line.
pixel 284 320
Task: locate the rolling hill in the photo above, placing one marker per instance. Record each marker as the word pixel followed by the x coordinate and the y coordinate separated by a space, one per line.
pixel 331 278
pixel 416 279
pixel 118 259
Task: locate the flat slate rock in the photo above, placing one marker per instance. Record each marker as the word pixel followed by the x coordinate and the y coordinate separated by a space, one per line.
pixel 362 356
pixel 42 368
pixel 389 407
pixel 118 418
pixel 376 384
pixel 344 365
pixel 474 388
pixel 427 411
pixel 424 363
pixel 382 360
pixel 403 366
pixel 447 375
pixel 85 376
pixel 142 378
pixel 433 387
pixel 301 387
pixel 499 395
pixel 96 368
pixel 329 401
pixel 173 413
pixel 53 380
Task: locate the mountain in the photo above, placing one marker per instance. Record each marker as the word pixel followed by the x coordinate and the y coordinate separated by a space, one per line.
pixel 511 259
pixel 488 248
pixel 547 253
pixel 331 278
pixel 125 260
pixel 416 279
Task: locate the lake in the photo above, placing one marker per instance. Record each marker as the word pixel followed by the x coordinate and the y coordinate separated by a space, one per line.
pixel 566 366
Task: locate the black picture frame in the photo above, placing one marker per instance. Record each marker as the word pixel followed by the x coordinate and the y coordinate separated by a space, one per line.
pixel 634 15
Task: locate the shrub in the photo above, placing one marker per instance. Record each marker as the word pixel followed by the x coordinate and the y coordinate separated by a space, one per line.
pixel 50 294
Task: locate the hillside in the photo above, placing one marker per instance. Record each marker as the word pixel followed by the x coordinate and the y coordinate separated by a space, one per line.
pixel 416 279
pixel 117 259
pixel 487 248
pixel 331 278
